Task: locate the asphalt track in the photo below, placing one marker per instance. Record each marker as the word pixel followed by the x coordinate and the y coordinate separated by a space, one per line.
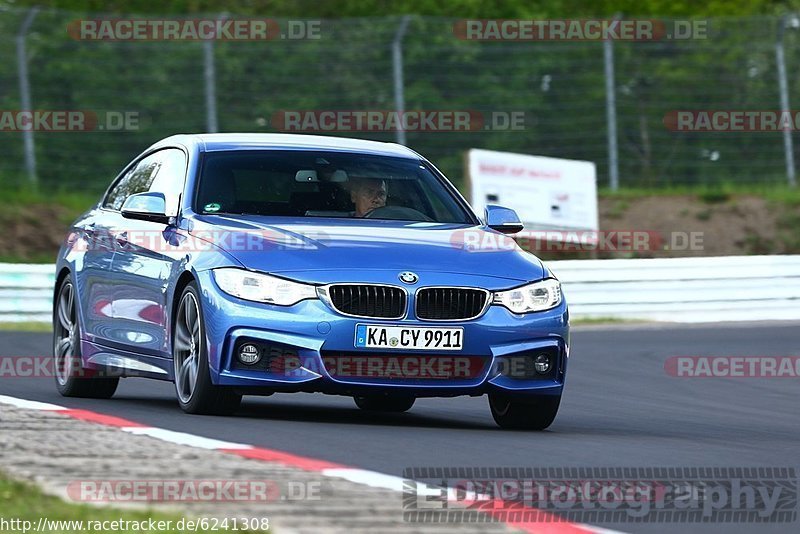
pixel 620 409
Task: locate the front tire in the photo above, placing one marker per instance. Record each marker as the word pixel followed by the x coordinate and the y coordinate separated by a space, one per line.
pixel 196 393
pixel 72 380
pixel 535 413
pixel 385 403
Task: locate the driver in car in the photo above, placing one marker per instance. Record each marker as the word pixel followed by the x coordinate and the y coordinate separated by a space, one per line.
pixel 368 194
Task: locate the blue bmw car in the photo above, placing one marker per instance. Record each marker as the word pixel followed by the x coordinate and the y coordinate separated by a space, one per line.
pixel 253 264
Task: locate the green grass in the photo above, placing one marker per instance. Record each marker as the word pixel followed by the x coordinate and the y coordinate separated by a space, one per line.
pixel 619 209
pixel 36 257
pixel 80 201
pixel 74 201
pixel 704 215
pixel 712 195
pixel 25 502
pixel 28 326
pixel 788 234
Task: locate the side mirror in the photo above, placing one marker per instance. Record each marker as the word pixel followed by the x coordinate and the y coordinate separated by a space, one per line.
pixel 148 206
pixel 502 219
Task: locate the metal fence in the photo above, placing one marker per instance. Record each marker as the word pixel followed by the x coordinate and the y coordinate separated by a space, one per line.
pixel 589 100
pixel 681 290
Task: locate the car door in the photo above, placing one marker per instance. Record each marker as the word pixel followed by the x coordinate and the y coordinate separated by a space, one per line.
pixel 95 274
pixel 147 257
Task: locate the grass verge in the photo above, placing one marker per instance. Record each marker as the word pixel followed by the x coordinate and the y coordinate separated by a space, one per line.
pixel 24 505
pixel 712 195
pixel 74 201
pixel 26 326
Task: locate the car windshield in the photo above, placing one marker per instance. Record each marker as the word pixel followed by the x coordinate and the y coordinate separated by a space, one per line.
pixel 324 184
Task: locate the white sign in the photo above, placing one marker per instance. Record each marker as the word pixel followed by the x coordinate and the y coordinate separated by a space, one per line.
pixel 546 193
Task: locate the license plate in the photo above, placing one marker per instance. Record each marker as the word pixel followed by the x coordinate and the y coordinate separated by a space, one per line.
pixel 408 338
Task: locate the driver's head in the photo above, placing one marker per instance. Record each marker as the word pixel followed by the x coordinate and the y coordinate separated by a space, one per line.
pixel 368 194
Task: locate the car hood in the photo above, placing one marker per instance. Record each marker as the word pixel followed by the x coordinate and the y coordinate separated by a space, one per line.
pixel 334 250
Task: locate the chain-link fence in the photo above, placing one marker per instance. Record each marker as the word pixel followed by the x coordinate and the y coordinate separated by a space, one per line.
pixel 383 63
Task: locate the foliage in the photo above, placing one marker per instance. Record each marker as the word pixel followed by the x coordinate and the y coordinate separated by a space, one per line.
pixel 560 87
pixel 26 503
pixel 451 8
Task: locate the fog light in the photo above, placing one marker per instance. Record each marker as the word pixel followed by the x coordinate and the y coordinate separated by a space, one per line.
pixel 542 364
pixel 249 354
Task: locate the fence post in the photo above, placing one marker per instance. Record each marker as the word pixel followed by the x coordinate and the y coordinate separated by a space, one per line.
pixel 783 85
pixel 611 111
pixel 397 67
pixel 25 95
pixel 210 78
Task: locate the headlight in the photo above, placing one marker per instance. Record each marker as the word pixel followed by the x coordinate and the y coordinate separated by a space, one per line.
pixel 262 287
pixel 539 296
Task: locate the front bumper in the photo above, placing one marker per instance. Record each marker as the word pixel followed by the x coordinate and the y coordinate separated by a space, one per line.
pixel 316 335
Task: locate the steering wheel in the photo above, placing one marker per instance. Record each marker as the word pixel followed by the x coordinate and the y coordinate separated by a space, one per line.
pixel 397 213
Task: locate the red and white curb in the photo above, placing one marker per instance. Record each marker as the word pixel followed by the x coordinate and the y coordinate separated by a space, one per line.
pixel 546 524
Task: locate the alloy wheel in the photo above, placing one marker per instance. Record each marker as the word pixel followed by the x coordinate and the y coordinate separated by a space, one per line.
pixel 65 338
pixel 187 347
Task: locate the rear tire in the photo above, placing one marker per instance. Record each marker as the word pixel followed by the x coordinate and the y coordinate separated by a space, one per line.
pixel 536 413
pixel 196 393
pixel 385 403
pixel 72 379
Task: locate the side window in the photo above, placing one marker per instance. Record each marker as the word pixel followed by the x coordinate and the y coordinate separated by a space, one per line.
pixel 170 177
pixel 116 196
pixel 137 180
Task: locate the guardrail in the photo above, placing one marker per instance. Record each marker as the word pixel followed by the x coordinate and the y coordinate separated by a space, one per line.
pixel 26 292
pixel 731 288
pixel 687 290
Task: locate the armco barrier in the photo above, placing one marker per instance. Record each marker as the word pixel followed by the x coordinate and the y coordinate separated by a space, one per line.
pixel 731 288
pixel 26 292
pixel 688 290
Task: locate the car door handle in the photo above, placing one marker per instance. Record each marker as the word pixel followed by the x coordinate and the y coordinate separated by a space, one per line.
pixel 121 238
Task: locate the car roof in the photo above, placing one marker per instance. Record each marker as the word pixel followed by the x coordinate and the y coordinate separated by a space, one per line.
pixel 253 141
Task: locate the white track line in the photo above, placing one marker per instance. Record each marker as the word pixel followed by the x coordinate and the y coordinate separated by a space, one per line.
pixel 364 477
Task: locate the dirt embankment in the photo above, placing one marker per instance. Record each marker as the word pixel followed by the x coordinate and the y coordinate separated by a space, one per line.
pixel 33 233
pixel 675 225
pixel 719 225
